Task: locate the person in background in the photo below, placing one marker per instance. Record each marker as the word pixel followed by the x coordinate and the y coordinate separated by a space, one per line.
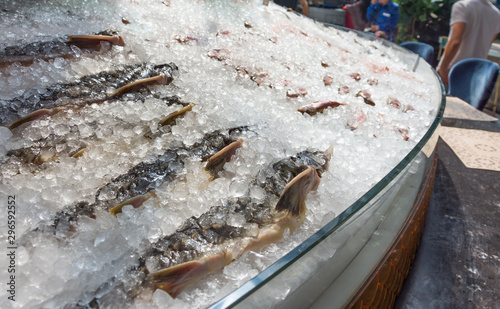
pixel 364 8
pixel 383 16
pixel 293 4
pixel 474 25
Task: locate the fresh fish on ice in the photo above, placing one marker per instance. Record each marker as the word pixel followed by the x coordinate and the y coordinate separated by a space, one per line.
pixel 137 185
pixel 207 243
pixel 55 146
pixel 88 89
pixel 67 47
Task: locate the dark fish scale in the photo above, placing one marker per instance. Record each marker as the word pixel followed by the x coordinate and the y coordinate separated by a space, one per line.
pixel 38 48
pixel 210 228
pixel 147 176
pixel 143 177
pixel 274 180
pixel 65 221
pixel 84 90
pixel 58 46
pixel 196 236
pixel 31 154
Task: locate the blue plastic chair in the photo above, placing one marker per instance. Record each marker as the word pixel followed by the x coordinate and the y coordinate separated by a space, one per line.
pixel 473 80
pixel 425 51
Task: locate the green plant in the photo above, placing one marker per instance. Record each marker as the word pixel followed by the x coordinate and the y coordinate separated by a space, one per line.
pixel 419 16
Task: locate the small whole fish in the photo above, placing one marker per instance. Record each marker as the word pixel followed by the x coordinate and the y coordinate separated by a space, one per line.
pixel 318 107
pixel 207 243
pixel 48 150
pixel 62 47
pixel 88 89
pixel 366 96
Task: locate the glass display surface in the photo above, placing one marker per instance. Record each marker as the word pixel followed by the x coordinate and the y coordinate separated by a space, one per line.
pixel 299 278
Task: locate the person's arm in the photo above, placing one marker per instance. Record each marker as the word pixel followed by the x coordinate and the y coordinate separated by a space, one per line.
pixel 450 50
pixel 305 7
pixel 372 9
pixel 494 38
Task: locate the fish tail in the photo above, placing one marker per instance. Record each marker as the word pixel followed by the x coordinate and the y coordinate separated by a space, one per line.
pixel 292 201
pixel 136 201
pixel 293 197
pixel 175 279
pixel 328 155
pixel 171 118
pixel 163 79
pixel 34 116
pixel 216 162
pixel 94 41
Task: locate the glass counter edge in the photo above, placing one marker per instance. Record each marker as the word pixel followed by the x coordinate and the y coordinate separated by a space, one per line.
pixel 238 295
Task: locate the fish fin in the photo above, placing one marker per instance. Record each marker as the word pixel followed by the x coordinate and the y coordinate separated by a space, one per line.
pixel 78 154
pixel 216 162
pixel 34 116
pixel 175 279
pixel 170 119
pixel 292 201
pixel 135 201
pixel 45 155
pixel 163 79
pixel 94 41
pixel 293 197
pixel 328 155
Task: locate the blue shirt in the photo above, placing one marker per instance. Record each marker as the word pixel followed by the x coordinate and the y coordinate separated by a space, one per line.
pixel 385 16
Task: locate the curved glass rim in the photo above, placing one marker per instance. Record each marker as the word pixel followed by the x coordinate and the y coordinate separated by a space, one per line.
pixel 245 290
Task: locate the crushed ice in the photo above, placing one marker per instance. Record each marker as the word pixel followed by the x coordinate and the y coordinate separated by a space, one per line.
pixel 237 60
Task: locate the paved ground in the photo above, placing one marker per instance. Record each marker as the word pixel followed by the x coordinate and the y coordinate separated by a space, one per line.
pixel 458 262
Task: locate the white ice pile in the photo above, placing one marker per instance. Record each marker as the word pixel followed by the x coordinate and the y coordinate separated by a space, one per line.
pixel 241 63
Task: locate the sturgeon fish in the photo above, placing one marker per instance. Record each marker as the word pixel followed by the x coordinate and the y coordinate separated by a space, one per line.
pixel 207 243
pixel 138 184
pixel 86 90
pixel 54 146
pixel 62 47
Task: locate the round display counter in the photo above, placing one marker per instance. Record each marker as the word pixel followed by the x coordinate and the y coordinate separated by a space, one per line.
pixel 219 154
pixel 361 258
